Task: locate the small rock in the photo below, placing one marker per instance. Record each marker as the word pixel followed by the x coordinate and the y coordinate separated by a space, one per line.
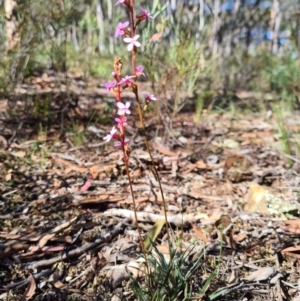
pixel 212 159
pixel 183 140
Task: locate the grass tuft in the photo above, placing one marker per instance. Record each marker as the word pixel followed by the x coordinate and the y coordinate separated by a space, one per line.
pixel 170 279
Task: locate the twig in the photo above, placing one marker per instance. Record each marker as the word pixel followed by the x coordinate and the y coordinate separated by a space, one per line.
pixel 176 220
pixel 80 250
pixel 290 285
pixel 15 132
pixel 292 158
pixel 25 282
pixel 10 192
pixel 279 295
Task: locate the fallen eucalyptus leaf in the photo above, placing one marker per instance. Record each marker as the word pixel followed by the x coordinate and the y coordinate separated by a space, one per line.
pixel 260 274
pixel 29 292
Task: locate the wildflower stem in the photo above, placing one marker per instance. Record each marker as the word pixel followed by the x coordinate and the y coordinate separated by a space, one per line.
pixel 141 116
pixel 133 51
pixel 135 215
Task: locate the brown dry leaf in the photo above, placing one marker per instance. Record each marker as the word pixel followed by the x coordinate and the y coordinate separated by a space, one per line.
pixel 292 226
pixel 79 113
pixel 64 225
pixel 70 166
pixel 231 161
pixel 104 198
pixel 97 169
pixel 165 151
pixel 200 234
pixel 19 154
pixel 230 241
pixel 75 168
pixel 8 176
pixel 240 237
pixel 45 238
pixel 56 282
pixel 221 224
pixel 137 201
pixel 201 165
pixel 30 237
pixel 94 171
pixel 163 249
pixel 190 167
pixel 249 135
pixel 261 274
pixel 29 292
pixel 33 249
pixel 292 251
pixel 12 249
pixel 251 138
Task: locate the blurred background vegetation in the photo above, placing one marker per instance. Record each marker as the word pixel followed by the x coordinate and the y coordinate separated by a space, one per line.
pixel 213 50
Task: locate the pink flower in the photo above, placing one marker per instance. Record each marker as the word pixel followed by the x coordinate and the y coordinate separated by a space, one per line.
pixel 126 80
pixel 149 97
pixel 111 134
pixel 145 15
pixel 123 109
pixel 121 122
pixel 139 70
pixel 132 42
pixel 120 1
pixel 121 143
pixel 110 85
pixel 120 29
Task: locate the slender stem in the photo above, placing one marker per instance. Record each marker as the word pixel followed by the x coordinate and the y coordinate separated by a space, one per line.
pixel 155 170
pixel 133 62
pixel 133 52
pixel 135 215
pixel 141 116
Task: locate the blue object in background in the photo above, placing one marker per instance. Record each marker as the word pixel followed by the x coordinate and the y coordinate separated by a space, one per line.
pixel 227 6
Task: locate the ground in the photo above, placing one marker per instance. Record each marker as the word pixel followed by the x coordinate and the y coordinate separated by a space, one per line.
pixel 66 213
